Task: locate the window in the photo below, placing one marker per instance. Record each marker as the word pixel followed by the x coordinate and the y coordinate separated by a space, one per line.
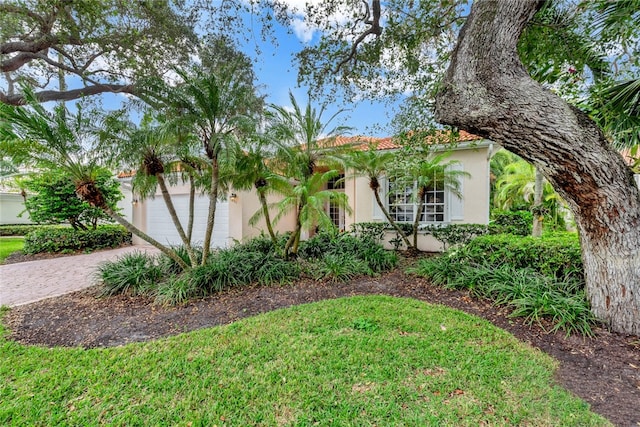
pixel 402 207
pixel 336 183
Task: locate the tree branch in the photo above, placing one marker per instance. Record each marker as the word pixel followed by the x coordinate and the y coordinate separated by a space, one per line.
pixel 374 29
pixel 52 95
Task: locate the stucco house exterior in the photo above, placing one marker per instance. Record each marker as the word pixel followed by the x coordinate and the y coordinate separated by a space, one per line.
pixel 234 211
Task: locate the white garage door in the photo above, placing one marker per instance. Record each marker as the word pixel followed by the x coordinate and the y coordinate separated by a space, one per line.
pixel 161 228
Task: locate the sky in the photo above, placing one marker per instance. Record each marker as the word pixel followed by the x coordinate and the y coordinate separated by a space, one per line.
pixel 277 74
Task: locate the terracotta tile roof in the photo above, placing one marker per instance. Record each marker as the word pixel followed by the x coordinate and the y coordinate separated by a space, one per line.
pixel 127 174
pixel 363 142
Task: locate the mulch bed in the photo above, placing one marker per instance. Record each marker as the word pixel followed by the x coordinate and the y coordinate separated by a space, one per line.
pixel 604 371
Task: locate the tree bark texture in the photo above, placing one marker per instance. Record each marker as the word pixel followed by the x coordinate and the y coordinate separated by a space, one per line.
pixel 176 221
pixel 211 215
pixel 488 92
pixel 538 217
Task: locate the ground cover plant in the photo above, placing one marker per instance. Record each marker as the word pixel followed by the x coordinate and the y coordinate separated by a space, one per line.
pixel 9 245
pixel 377 359
pixel 537 278
pixel 332 256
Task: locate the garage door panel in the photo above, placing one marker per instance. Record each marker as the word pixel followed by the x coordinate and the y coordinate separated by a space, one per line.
pixel 161 227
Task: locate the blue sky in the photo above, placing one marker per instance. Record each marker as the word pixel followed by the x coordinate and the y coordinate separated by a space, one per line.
pixel 277 74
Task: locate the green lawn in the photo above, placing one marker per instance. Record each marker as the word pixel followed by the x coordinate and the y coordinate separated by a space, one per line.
pixel 372 360
pixel 9 245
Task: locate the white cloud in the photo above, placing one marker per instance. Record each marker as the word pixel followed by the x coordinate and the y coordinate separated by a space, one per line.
pixel 302 30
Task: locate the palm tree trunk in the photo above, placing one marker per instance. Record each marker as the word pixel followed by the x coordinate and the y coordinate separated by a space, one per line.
pixel 537 204
pixel 213 200
pixel 390 219
pixel 174 217
pixel 136 231
pixel 192 200
pixel 291 248
pixel 267 217
pixel 416 221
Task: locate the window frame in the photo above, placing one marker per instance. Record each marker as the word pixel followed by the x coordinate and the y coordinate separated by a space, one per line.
pixel 410 207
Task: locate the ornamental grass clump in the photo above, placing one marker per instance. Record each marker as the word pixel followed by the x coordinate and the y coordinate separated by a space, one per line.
pixel 552 288
pixel 136 273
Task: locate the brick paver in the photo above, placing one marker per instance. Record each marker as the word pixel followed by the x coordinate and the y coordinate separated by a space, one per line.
pixel 26 282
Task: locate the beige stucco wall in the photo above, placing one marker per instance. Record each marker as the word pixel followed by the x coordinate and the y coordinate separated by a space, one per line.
pixel 241 210
pixel 11 205
pixel 475 189
pixel 246 205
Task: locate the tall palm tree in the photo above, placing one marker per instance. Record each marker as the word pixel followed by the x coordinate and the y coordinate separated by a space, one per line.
pixel 219 107
pixel 61 140
pixel 152 150
pixel 305 143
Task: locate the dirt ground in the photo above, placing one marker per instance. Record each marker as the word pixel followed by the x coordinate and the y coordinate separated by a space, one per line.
pixel 604 371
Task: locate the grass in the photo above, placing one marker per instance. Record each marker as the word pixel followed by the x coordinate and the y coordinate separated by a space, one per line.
pixel 372 360
pixel 9 245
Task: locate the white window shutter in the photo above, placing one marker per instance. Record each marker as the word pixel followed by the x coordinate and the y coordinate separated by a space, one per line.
pixel 456 204
pixel 377 212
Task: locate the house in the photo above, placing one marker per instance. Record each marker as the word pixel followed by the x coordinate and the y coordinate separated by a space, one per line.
pixel 233 212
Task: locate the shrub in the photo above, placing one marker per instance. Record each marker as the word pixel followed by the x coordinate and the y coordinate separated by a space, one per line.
pixel 170 267
pixel 531 295
pixel 369 230
pixel 261 244
pixel 518 223
pixel 317 246
pixel 339 268
pixel 277 270
pixel 69 240
pixel 456 234
pixel 378 259
pixel 136 273
pixel 23 230
pixel 556 255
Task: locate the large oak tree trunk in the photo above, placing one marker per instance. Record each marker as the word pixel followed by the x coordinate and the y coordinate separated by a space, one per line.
pixel 487 91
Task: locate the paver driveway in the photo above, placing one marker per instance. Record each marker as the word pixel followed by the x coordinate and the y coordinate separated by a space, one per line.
pixel 31 281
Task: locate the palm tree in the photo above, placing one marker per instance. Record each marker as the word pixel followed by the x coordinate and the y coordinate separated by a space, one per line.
pixel 374 164
pixel 308 198
pixel 153 151
pixel 251 171
pixel 218 107
pixel 61 140
pixel 304 143
pixel 432 174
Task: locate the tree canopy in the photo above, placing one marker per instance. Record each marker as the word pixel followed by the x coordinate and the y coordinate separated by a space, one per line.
pixel 98 46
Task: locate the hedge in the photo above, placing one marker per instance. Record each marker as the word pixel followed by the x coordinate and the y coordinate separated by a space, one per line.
pixel 61 240
pixel 556 255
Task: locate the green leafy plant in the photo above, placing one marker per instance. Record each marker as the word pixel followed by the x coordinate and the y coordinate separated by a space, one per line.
pixel 369 230
pixel 456 234
pixel 556 255
pixel 22 230
pixel 339 268
pixel 53 199
pixel 179 289
pixel 537 278
pixel 518 223
pixel 136 273
pixel 58 240
pixel 275 269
